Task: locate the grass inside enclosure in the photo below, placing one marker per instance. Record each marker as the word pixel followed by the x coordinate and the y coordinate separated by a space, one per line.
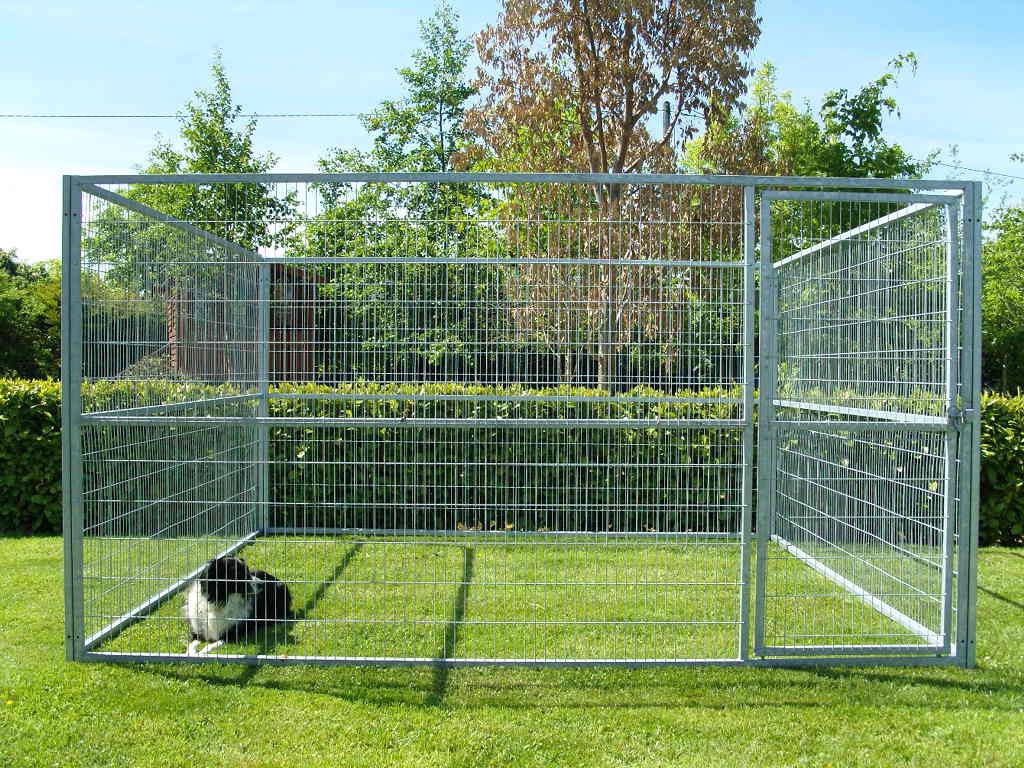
pixel 474 597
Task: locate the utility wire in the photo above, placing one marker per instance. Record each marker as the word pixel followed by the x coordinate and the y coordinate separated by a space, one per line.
pixel 155 117
pixel 978 170
pixel 60 116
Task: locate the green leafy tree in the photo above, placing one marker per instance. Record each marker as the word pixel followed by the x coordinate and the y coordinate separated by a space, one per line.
pixel 1002 301
pixel 29 318
pixel 214 140
pixel 162 272
pixel 433 312
pixel 772 136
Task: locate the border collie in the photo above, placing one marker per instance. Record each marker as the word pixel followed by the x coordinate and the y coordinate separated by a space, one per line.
pixel 229 601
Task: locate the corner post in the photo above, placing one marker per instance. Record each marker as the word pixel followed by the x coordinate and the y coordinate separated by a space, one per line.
pixel 970 435
pixel 767 373
pixel 71 416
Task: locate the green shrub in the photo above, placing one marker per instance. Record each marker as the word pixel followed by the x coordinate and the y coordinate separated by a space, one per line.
pixel 1002 470
pixel 30 455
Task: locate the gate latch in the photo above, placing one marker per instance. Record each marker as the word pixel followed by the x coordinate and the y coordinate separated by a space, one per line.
pixel 960 416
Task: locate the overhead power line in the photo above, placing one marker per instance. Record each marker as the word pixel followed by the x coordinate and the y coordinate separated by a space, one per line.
pixel 50 116
pixel 154 116
pixel 978 170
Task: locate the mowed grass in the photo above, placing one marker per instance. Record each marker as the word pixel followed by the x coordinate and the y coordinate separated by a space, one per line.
pixel 416 597
pixel 476 597
pixel 56 713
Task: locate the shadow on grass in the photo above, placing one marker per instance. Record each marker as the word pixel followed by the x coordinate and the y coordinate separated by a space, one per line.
pixel 451 632
pixel 726 690
pixel 1003 598
pixel 525 688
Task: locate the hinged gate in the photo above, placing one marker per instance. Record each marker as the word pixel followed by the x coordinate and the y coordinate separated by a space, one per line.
pixel 862 403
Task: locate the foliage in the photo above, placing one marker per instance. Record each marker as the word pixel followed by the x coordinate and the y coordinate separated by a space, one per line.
pixel 29 318
pixel 772 136
pixel 30 456
pixel 30 445
pixel 593 73
pixel 440 320
pixel 213 143
pixel 1002 470
pixel 571 86
pixel 141 253
pixel 1002 302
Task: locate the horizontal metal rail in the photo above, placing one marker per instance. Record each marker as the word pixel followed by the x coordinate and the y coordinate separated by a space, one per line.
pixel 863 426
pixel 819 182
pixel 395 423
pixel 143 410
pixel 441 662
pixel 458 537
pixel 300 261
pixel 866 413
pixel 499 398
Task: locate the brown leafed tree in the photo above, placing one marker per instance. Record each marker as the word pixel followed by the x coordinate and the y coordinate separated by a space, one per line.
pixel 574 85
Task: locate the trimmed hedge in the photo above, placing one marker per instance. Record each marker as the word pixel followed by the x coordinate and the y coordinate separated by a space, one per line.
pixel 1002 470
pixel 30 494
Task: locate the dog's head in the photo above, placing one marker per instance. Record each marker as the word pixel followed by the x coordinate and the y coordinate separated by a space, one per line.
pixel 223 577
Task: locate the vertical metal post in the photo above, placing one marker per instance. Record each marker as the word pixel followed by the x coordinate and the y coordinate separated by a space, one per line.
pixel 970 403
pixel 747 497
pixel 263 374
pixel 767 374
pixel 951 342
pixel 71 413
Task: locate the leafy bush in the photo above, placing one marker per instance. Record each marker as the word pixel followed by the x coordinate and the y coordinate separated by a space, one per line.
pixel 30 456
pixel 311 464
pixel 1002 470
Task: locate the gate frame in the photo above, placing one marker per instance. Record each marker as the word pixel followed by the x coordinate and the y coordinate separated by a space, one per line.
pixel 962 652
pixel 959 435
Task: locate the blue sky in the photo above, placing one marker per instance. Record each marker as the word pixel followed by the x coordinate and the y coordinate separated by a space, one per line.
pixel 149 57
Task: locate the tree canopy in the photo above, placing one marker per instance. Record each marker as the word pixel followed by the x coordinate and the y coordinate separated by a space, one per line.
pixel 572 85
pixel 772 136
pixel 29 318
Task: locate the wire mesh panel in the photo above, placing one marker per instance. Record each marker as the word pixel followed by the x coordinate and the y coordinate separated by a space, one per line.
pixel 864 336
pixel 503 419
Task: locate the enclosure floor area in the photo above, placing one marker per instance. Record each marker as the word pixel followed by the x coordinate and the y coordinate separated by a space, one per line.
pixel 494 598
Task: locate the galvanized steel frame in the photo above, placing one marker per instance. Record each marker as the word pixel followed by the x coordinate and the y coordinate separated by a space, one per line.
pixel 963 417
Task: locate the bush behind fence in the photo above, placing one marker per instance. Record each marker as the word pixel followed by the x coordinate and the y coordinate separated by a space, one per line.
pixel 30 453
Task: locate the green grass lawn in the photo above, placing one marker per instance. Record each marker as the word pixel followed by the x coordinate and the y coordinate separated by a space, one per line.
pixel 56 713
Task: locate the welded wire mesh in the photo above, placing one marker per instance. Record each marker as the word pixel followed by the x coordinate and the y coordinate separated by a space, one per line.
pixel 510 421
pixel 867 319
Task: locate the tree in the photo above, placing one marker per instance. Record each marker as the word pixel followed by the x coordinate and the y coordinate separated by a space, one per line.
pixel 29 318
pixel 772 136
pixel 572 85
pixel 591 73
pixel 213 142
pixel 1002 301
pixel 162 270
pixel 433 312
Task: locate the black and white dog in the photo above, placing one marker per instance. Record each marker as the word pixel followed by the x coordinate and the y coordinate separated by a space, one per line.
pixel 229 601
